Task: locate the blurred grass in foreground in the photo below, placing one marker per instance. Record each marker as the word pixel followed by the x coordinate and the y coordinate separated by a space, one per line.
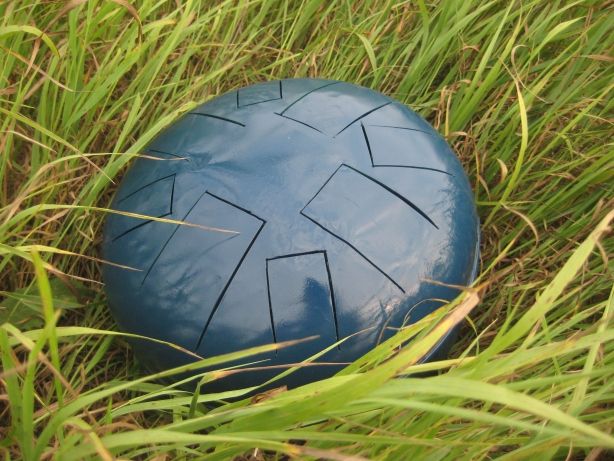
pixel 522 90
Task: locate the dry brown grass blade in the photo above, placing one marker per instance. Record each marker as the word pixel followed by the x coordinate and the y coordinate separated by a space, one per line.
pixel 134 13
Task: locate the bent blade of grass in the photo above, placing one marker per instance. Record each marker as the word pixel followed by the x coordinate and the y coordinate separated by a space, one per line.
pixel 513 180
pixel 14 29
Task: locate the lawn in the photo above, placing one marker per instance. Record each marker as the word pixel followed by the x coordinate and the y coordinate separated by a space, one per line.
pixel 522 90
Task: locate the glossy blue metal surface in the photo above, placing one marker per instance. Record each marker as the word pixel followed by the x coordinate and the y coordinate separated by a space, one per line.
pixel 344 203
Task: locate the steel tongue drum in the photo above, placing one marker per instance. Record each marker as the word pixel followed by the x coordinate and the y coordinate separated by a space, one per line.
pixel 311 208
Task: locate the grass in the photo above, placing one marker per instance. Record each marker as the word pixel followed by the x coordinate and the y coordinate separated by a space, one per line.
pixel 521 89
